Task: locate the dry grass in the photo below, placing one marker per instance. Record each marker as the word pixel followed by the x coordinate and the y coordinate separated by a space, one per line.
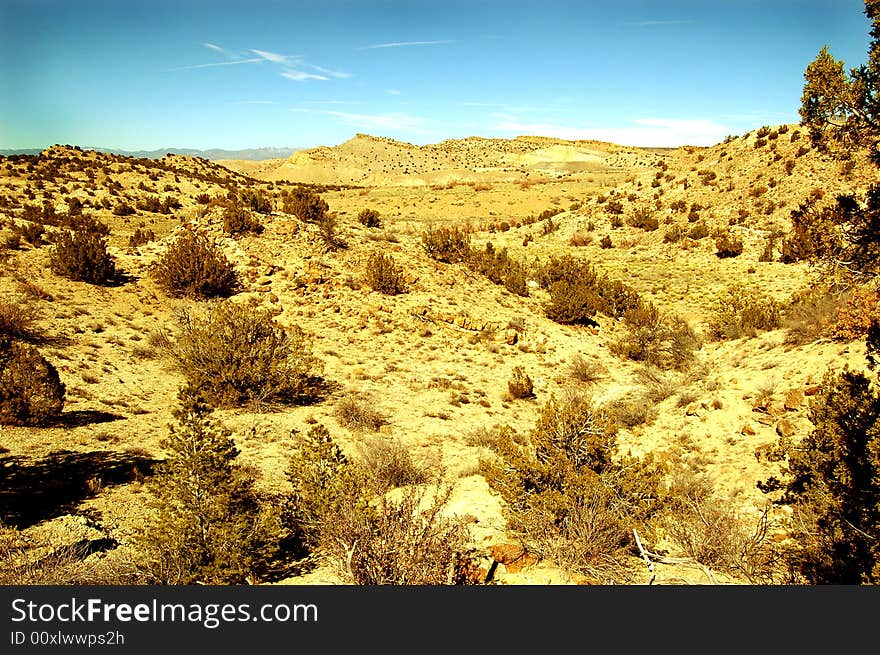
pixel 18 321
pixel 587 371
pixel 389 464
pixel 357 412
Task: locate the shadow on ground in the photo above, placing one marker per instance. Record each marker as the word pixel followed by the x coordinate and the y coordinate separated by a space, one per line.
pixel 35 490
pixel 78 419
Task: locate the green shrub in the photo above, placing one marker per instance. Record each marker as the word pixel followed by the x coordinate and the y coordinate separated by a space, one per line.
pixel 256 201
pixel 339 509
pixel 123 209
pixel 324 482
pixel 370 218
pixel 520 384
pixel 30 232
pixel 209 526
pixel 141 237
pixel 31 392
pixel 605 242
pixel 192 266
pixel 238 220
pixel 17 321
pixel 83 223
pixel 740 311
pixel 82 256
pixel 699 231
pixel 233 355
pixel 644 218
pixel 569 495
pixel 565 269
pixel 664 342
pixel 614 207
pixel 728 246
pixel 577 292
pixel 572 303
pixel 498 267
pixel 446 244
pixel 306 205
pixel 382 274
pixel 834 482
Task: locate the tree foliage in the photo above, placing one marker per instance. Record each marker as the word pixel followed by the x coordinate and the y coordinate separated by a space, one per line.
pixel 841 110
pixel 834 486
pixel 31 391
pixel 208 525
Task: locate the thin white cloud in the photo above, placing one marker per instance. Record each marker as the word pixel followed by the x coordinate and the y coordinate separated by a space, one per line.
pixel 327 71
pixel 218 63
pixel 292 65
pixel 393 92
pixel 253 102
pixel 393 121
pixel 406 44
pixel 646 132
pixel 275 58
pixel 301 76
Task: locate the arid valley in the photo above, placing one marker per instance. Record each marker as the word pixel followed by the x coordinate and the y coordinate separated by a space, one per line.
pixel 424 375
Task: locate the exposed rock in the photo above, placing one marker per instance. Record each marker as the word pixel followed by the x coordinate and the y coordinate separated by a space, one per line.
pixel 793 399
pixel 785 428
pixel 512 556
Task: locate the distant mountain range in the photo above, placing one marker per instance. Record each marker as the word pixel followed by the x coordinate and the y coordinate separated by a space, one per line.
pixel 251 154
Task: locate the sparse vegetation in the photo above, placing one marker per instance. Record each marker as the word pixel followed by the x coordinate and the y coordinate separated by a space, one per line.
pixel 358 413
pixel 741 311
pixel 571 498
pixel 446 244
pixel 208 524
pixel 194 267
pixel 233 355
pixel 520 384
pixel 370 218
pixel 338 508
pixel 383 275
pixel 31 391
pixel 82 255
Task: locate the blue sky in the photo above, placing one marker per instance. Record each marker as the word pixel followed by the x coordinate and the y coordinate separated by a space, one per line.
pixel 133 74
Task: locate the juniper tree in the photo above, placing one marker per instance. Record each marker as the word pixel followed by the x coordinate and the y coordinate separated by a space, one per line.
pixel 834 484
pixel 841 110
pixel 208 524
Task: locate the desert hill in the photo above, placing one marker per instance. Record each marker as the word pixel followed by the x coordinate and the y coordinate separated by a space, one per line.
pixel 436 360
pixel 368 160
